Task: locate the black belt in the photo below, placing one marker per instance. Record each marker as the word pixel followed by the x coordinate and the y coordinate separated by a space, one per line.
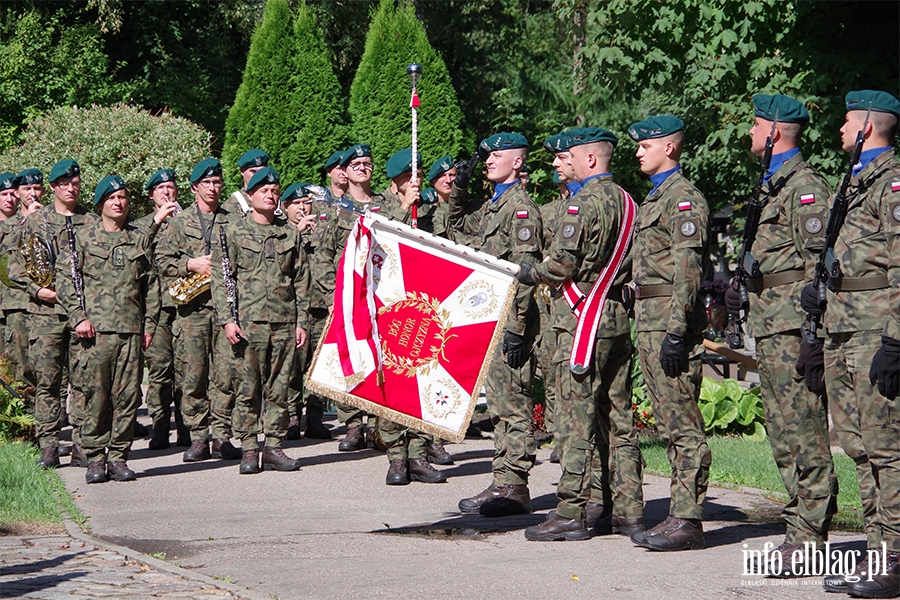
pixel 642 292
pixel 860 284
pixel 758 284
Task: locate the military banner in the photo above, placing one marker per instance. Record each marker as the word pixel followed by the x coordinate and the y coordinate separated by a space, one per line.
pixel 415 321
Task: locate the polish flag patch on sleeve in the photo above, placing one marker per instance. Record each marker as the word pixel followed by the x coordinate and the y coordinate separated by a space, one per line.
pixel 521 214
pixel 895 186
pixel 684 205
pixel 572 210
pixel 807 199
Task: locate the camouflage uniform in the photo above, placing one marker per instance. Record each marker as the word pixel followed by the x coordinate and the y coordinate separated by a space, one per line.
pixel 867 249
pixel 232 204
pixel 318 315
pixel 163 372
pixel 14 304
pixel 272 289
pixel 53 348
pixel 510 229
pixel 121 298
pixel 789 238
pixel 200 347
pixel 590 411
pixel 671 237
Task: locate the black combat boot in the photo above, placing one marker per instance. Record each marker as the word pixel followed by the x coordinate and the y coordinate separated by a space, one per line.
pixel 49 457
pixel 198 451
pixel 274 459
pixel 120 472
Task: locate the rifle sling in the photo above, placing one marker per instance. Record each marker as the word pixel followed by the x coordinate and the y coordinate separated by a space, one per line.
pixel 860 284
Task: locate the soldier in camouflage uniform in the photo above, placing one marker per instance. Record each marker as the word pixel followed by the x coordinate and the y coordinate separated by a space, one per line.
pixel 53 350
pixel 788 241
pixel 11 299
pixel 311 219
pixel 163 373
pixel 510 229
pixel 115 315
pixel 30 185
pixel 336 175
pixel 587 402
pixel 670 262
pixel 262 305
pixel 862 321
pixel 407 449
pixel 441 176
pixel 201 348
pixel 249 163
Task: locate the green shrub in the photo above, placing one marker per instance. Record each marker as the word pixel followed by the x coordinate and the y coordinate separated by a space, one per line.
pixel 16 420
pixel 728 408
pixel 379 96
pixel 120 139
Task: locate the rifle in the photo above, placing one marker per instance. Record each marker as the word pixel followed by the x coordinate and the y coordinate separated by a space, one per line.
pixel 77 278
pixel 228 276
pixel 747 267
pixel 835 222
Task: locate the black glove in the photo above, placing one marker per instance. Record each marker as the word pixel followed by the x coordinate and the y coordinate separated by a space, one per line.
pixel 524 274
pixel 465 170
pixel 673 356
pixel 809 300
pixel 885 368
pixel 733 301
pixel 516 349
pixel 811 364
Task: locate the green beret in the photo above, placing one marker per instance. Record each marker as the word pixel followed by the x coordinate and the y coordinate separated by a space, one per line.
pixel 878 100
pixel 357 151
pixel 333 160
pixel 161 176
pixel 7 181
pixel 64 168
pixel 440 166
pixel 400 162
pixel 208 167
pixel 558 143
pixel 264 176
pixel 253 158
pixel 295 191
pixel 591 135
pixel 429 196
pixel 107 185
pixel 29 177
pixel 501 141
pixel 786 109
pixel 655 127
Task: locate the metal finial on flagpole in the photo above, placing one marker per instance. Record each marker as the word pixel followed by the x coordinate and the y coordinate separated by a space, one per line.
pixel 414 72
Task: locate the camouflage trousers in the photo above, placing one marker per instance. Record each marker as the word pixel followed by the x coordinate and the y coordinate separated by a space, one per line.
pixel 595 432
pixel 263 359
pixel 403 442
pixel 110 375
pixel 15 346
pixel 298 396
pixel 797 426
pixel 163 388
pixel 511 407
pixel 868 425
pixel 680 423
pixel 207 385
pixel 53 351
pixel 544 349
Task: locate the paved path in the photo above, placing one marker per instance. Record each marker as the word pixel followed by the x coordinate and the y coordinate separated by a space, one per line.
pixel 334 530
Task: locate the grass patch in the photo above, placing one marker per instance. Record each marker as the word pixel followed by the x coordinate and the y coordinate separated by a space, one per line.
pixel 29 494
pixel 740 462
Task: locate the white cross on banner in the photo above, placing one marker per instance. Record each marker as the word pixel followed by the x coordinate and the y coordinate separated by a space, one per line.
pixel 416 321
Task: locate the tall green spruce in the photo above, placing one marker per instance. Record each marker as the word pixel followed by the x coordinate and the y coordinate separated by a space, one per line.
pixel 379 96
pixel 289 101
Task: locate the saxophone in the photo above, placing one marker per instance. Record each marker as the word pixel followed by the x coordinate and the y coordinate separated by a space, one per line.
pixel 185 289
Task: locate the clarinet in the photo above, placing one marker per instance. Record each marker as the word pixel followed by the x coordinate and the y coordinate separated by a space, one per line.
pixel 77 278
pixel 228 276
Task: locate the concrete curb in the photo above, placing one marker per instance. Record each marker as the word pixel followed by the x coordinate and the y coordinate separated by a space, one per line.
pixel 75 531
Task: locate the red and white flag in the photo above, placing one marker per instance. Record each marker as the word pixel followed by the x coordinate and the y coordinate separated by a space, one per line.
pixel 416 320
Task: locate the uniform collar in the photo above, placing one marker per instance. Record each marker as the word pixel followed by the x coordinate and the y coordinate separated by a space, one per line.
pixel 779 160
pixel 500 189
pixel 868 156
pixel 658 178
pixel 574 187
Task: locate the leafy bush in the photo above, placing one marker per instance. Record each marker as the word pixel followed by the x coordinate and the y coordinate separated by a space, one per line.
pixel 379 96
pixel 120 139
pixel 728 408
pixel 16 420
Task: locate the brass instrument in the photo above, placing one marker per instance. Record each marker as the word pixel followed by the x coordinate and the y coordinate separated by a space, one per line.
pixel 39 259
pixel 542 292
pixel 185 289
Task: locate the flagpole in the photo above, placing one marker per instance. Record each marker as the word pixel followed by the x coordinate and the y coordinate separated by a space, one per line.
pixel 414 72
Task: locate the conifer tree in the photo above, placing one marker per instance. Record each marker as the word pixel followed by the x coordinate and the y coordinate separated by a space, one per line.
pixel 288 103
pixel 380 94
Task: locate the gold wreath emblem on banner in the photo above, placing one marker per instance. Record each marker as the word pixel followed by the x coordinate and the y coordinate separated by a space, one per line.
pixel 405 338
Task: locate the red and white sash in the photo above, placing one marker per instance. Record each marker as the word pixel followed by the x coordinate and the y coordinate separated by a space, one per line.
pixel 589 308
